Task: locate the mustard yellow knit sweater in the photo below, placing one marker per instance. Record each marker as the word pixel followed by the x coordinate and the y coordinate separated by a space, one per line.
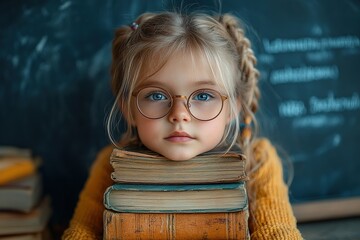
pixel 271 216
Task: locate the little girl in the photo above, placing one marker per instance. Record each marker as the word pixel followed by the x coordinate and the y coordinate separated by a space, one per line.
pixel 185 84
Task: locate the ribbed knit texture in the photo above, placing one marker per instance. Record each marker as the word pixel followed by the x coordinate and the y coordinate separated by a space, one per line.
pixel 87 222
pixel 271 216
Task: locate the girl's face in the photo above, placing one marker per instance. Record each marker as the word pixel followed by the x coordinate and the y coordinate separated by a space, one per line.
pixel 178 135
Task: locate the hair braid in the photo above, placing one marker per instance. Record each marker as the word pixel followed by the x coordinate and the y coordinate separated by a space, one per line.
pixel 247 86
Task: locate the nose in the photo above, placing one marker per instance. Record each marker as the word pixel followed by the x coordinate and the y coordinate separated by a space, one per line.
pixel 179 111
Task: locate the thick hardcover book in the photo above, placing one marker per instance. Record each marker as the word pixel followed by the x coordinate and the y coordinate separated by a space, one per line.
pixel 12 222
pixel 21 195
pixel 225 197
pixel 224 225
pixel 146 167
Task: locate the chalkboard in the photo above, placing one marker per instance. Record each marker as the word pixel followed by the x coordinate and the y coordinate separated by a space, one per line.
pixel 54 92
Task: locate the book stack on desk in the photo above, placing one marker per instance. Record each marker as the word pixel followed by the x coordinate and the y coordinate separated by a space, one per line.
pixel 155 198
pixel 24 211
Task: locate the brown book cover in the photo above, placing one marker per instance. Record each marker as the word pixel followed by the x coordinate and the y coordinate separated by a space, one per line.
pixel 223 225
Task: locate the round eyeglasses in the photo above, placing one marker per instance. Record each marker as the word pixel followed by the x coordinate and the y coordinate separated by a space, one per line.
pixel 202 104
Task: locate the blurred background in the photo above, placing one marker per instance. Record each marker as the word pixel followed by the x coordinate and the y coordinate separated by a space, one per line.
pixel 55 95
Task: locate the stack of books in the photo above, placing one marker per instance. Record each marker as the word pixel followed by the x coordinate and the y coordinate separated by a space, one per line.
pixel 24 211
pixel 155 198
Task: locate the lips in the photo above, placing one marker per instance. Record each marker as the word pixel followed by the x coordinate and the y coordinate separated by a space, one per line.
pixel 179 137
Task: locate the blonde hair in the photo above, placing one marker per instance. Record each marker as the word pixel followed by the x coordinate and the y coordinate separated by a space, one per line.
pixel 220 39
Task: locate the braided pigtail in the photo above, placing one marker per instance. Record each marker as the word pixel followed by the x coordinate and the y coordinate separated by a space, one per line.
pixel 247 83
pixel 248 94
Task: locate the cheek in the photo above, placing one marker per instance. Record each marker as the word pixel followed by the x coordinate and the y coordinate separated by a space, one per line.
pixel 146 128
pixel 215 128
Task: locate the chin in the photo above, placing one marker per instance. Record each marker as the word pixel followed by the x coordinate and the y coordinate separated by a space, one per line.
pixel 179 157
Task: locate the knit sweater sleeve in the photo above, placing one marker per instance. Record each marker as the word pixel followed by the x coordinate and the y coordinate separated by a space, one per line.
pixel 271 215
pixel 87 221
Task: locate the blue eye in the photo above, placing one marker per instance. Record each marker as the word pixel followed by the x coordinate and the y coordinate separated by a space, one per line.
pixel 156 96
pixel 203 96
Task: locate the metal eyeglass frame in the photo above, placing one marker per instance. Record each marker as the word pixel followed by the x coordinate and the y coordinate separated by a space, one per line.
pixel 223 98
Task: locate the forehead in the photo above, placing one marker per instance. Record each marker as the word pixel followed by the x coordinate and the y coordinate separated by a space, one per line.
pixel 181 69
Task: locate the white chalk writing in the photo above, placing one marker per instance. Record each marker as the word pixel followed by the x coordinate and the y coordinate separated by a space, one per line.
pixel 291 108
pixel 310 44
pixel 317 121
pixel 332 104
pixel 303 74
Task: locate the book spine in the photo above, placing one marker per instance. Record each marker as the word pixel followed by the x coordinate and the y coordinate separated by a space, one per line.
pixel 230 225
pixel 106 200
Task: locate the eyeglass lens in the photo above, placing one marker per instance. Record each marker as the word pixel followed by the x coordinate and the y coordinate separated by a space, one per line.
pixel 203 104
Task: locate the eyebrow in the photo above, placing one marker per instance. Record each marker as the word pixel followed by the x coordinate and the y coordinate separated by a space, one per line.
pixel 150 82
pixel 205 82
